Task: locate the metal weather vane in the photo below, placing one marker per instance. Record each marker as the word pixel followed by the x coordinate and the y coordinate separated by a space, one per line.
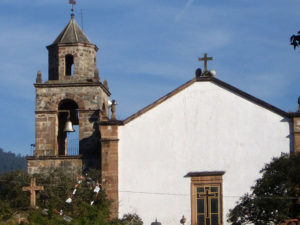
pixel 72 2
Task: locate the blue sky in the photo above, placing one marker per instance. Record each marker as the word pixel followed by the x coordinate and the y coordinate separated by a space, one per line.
pixel 148 48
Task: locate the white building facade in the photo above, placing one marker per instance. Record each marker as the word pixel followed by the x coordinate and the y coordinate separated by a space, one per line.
pixel 196 151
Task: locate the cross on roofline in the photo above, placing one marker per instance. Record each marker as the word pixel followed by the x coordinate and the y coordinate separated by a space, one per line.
pixel 205 59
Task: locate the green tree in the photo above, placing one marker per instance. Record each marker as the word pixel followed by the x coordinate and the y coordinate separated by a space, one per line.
pixel 10 162
pixel 274 198
pixel 58 186
pixel 295 40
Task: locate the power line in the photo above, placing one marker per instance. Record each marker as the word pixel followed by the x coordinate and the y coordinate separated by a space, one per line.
pixel 153 193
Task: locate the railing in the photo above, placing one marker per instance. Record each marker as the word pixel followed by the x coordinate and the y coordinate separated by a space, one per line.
pixel 72 147
pixel 30 152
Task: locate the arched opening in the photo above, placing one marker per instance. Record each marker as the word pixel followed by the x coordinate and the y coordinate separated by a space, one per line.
pixel 68 142
pixel 103 110
pixel 69 65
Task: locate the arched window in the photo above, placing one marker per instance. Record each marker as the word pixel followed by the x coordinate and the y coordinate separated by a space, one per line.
pixel 69 65
pixel 103 110
pixel 68 142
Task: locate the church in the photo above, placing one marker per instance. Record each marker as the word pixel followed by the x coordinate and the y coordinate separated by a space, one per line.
pixel 194 152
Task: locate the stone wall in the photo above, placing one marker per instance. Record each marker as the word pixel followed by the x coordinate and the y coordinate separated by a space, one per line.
pixel 72 164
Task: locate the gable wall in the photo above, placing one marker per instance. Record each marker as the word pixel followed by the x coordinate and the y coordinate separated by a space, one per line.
pixel 202 128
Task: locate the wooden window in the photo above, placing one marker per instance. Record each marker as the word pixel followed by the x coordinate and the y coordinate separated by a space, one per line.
pixel 206 197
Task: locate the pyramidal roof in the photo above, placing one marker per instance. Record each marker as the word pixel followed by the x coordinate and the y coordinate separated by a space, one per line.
pixel 72 33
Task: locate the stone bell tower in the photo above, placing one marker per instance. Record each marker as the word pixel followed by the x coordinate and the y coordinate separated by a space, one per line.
pixel 73 93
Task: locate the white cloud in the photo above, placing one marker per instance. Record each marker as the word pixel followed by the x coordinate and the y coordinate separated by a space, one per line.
pixel 186 7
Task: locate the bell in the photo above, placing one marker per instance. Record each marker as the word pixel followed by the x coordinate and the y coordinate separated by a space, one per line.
pixel 69 127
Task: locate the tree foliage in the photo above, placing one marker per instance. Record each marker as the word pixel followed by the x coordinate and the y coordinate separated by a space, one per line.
pixel 295 40
pixel 58 186
pixel 274 197
pixel 10 162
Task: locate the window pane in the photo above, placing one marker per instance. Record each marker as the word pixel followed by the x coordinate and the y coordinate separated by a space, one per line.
pixel 214 205
pixel 214 189
pixel 215 219
pixel 200 205
pixel 200 189
pixel 200 220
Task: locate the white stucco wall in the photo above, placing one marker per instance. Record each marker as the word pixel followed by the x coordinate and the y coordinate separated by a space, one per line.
pixel 202 128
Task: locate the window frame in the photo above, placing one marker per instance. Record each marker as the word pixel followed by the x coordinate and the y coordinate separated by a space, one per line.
pixel 208 179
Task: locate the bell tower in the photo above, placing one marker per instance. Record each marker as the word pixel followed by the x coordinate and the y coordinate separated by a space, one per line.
pixel 72 97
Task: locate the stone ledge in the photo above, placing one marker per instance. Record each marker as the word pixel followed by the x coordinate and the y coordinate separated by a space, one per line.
pixel 70 84
pixel 109 139
pixel 205 173
pixel 295 114
pixel 111 122
pixel 56 157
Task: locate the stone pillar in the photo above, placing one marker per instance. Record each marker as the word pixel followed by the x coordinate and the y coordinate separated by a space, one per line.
pixel 109 162
pixel 46 134
pixel 296 121
pixel 296 130
pixel 89 133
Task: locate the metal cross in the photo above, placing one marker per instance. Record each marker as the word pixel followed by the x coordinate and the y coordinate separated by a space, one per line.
pixel 205 59
pixel 33 188
pixel 72 2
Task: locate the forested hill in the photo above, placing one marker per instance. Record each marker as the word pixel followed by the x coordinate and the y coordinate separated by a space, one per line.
pixel 9 162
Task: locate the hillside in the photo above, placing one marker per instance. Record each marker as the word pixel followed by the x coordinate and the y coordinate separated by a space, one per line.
pixel 10 162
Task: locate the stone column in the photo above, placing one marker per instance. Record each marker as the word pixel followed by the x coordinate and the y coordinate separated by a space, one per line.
pixel 109 162
pixel 296 130
pixel 296 121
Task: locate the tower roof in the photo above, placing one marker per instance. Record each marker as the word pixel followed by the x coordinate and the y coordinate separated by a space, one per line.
pixel 72 33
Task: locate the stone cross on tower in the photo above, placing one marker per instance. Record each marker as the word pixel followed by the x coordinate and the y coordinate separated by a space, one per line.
pixel 205 59
pixel 33 188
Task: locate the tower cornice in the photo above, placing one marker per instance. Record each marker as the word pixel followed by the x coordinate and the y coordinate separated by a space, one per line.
pixel 55 85
pixel 60 45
